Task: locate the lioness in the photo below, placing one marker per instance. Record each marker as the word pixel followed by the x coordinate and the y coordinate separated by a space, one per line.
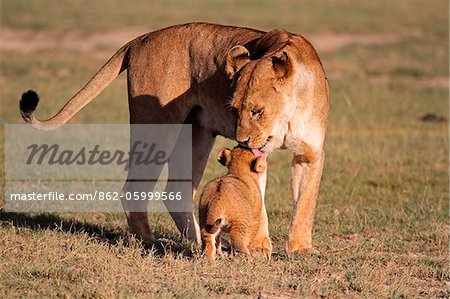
pixel 266 90
pixel 233 204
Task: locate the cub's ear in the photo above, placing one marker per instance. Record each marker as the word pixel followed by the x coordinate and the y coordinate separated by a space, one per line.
pixel 237 58
pixel 259 165
pixel 282 65
pixel 224 157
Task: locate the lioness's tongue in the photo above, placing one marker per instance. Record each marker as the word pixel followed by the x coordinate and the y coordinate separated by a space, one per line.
pixel 257 153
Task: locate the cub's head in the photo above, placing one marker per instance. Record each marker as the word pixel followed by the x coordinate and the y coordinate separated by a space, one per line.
pixel 263 90
pixel 243 160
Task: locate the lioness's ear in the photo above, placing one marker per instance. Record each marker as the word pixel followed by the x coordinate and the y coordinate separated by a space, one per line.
pixel 259 165
pixel 282 65
pixel 237 57
pixel 224 157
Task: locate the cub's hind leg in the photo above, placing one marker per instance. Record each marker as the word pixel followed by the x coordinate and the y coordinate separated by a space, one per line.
pixel 210 244
pixel 219 244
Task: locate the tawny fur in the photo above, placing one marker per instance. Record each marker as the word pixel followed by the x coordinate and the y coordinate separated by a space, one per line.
pixel 233 204
pixel 267 90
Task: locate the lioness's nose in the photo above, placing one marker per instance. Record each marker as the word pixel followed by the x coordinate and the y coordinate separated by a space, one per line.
pixel 243 142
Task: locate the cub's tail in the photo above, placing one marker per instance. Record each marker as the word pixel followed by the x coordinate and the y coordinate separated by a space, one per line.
pixel 213 226
pixel 29 101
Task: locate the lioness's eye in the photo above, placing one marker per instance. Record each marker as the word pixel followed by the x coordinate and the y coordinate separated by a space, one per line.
pixel 255 112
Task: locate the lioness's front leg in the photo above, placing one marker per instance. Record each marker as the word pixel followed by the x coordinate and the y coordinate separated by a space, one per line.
pixel 202 143
pixel 136 212
pixel 306 175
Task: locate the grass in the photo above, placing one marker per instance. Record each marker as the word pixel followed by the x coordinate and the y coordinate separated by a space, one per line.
pixel 381 225
pixel 304 16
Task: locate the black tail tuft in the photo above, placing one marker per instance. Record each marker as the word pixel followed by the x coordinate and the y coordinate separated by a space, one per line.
pixel 28 104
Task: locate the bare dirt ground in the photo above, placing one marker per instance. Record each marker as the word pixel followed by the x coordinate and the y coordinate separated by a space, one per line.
pixel 27 41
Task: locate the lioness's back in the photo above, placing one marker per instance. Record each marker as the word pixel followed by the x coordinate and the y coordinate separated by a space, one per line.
pixel 203 40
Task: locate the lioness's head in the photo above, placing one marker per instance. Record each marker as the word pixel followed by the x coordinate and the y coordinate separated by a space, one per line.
pixel 262 98
pixel 242 160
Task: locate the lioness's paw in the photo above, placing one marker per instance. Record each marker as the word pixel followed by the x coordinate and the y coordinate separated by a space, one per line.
pixel 297 246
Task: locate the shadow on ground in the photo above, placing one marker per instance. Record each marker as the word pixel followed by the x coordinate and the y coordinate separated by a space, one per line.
pixel 111 237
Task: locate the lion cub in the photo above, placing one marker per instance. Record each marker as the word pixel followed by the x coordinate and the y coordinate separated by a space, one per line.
pixel 234 204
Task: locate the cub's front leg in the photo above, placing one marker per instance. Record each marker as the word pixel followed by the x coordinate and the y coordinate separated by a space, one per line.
pixel 240 239
pixel 262 242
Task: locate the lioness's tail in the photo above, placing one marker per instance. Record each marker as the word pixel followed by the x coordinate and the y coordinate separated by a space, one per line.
pixel 98 82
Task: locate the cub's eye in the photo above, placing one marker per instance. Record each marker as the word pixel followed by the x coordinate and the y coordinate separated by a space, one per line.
pixel 256 112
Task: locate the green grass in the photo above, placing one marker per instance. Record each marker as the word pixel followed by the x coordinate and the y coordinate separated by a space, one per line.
pixel 304 16
pixel 381 225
